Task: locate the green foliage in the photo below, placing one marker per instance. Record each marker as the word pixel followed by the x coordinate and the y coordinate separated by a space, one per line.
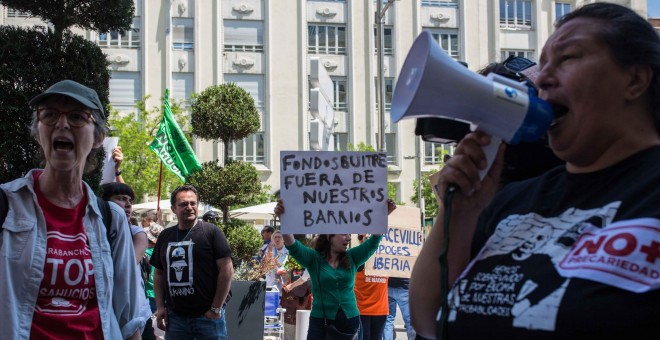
pixel 263 196
pixel 292 264
pixel 391 188
pixel 430 204
pixel 244 240
pixel 141 166
pixel 224 112
pixel 235 183
pixel 101 16
pixel 30 61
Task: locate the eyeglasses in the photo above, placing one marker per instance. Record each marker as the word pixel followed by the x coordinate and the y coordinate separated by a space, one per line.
pixel 76 118
pixel 515 65
pixel 192 204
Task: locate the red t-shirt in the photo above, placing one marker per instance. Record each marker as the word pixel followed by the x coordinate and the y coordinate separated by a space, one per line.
pixel 371 294
pixel 66 307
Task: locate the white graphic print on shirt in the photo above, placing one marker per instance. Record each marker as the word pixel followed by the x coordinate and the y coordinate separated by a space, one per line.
pixel 68 282
pixel 180 268
pixel 626 255
pixel 510 277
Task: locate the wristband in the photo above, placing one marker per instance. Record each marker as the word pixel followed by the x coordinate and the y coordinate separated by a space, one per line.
pixel 118 173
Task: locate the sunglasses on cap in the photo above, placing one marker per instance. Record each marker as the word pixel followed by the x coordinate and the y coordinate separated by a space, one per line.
pixel 515 65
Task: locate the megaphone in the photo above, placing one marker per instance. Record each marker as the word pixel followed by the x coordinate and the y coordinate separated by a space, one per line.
pixel 432 84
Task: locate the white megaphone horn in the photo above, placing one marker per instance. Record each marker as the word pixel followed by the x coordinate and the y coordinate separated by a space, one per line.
pixel 432 84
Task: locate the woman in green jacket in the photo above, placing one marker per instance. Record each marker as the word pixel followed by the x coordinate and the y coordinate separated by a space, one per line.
pixel 332 267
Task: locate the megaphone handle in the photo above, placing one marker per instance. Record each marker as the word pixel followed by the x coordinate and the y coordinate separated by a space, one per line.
pixel 491 151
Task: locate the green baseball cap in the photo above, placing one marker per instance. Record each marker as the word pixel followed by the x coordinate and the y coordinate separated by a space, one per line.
pixel 73 90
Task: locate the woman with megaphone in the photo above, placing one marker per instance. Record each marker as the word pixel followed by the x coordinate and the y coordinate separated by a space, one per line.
pixel 573 253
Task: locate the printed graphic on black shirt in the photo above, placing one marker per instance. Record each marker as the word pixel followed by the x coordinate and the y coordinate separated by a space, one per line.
pixel 180 268
pixel 509 279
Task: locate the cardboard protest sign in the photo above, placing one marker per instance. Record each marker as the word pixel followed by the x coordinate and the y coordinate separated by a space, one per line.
pixel 327 192
pixel 400 245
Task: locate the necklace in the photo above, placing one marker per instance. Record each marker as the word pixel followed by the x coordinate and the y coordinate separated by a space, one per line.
pixel 184 238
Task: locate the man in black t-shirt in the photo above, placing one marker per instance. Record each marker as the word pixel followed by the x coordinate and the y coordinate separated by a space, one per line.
pixel 192 273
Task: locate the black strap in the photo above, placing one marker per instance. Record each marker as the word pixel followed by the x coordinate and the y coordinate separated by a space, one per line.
pixel 106 215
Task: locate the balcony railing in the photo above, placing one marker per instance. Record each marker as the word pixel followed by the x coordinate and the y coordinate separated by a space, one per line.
pixel 440 3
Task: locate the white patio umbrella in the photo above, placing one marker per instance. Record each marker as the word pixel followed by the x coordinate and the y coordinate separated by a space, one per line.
pixel 255 212
pixel 164 205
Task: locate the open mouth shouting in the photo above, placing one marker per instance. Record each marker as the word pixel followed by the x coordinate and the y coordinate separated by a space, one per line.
pixel 62 144
pixel 559 111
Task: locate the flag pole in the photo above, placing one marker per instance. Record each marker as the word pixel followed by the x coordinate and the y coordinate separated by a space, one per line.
pixel 160 181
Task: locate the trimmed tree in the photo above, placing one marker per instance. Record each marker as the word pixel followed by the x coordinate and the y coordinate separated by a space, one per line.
pixel 223 186
pixel 225 113
pixel 244 241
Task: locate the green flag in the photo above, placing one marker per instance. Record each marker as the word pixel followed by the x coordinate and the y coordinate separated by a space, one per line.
pixel 171 145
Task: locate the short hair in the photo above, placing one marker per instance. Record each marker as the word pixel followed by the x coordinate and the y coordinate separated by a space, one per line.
pixel 150 215
pixel 631 39
pixel 186 187
pixel 115 188
pixel 268 229
pixel 100 130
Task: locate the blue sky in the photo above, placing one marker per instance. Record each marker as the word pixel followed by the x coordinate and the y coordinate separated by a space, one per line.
pixel 653 7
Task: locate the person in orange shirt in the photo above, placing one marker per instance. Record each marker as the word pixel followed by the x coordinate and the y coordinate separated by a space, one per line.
pixel 371 296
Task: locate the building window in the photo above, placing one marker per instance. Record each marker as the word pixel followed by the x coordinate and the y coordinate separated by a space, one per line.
pixel 249 149
pixel 516 14
pixel 561 9
pixel 324 39
pixel 388 49
pixel 125 90
pixel 390 146
pixel 183 37
pixel 183 86
pixel 14 13
pixel 449 42
pixel 252 148
pixel 341 141
pixel 518 53
pixel 244 36
pixel 440 3
pixel 342 1
pixel 339 92
pixel 435 153
pixel 128 39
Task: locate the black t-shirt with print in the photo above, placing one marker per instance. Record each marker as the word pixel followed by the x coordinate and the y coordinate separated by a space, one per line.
pixel 188 264
pixel 566 256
